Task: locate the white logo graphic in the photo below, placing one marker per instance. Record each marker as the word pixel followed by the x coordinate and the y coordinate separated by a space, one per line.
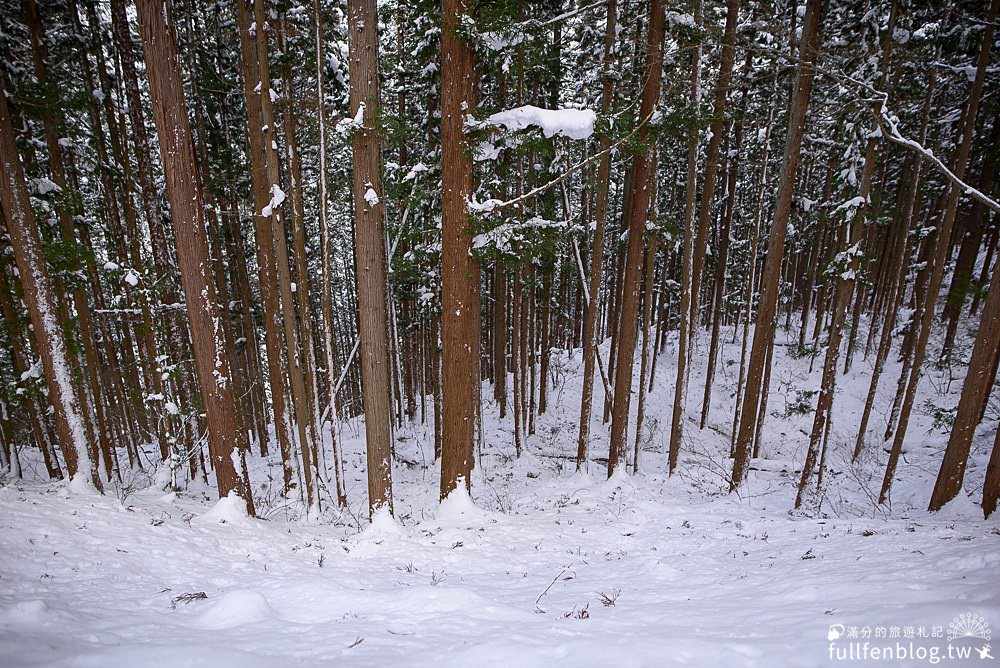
pixel 968 637
pixel 968 625
pixel 973 627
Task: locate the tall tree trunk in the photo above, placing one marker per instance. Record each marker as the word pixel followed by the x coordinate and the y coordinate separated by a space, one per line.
pixel 687 325
pixel 275 215
pixel 975 391
pixel 40 298
pixel 940 257
pixel 720 273
pixel 590 328
pixel 763 331
pixel 968 252
pixel 712 154
pixel 57 170
pixel 898 275
pixel 265 247
pixel 370 253
pixel 751 277
pixel 227 445
pixel 642 172
pixel 500 337
pixel 326 245
pixel 846 278
pixel 647 315
pixel 460 271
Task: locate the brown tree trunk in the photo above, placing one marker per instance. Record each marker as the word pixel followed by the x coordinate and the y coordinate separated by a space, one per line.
pixel 642 172
pixel 720 272
pixel 712 154
pixel 500 337
pixel 687 324
pixel 647 315
pixel 296 217
pixel 846 281
pixel 158 227
pixel 226 444
pixel 460 271
pixel 275 214
pixel 57 170
pixel 326 245
pixel 590 328
pixel 940 256
pixel 751 278
pixel 975 390
pixel 898 274
pixel 40 298
pixel 265 246
pixel 369 249
pixel 763 331
pixel 968 252
pixel 991 486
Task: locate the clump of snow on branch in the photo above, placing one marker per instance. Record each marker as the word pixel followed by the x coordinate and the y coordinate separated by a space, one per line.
pixel 572 123
pixel 277 198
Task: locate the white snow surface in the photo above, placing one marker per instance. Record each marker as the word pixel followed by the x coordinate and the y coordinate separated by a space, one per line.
pixel 572 123
pixel 524 572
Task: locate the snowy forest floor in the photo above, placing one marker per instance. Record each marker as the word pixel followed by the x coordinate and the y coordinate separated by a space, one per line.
pixel 550 567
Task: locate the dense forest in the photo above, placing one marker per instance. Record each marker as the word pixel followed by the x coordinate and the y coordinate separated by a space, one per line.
pixel 230 227
pixel 499 332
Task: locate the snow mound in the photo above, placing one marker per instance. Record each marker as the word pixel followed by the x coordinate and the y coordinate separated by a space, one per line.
pixel 80 484
pixel 236 608
pixel 458 509
pixel 383 525
pixel 25 613
pixel 572 123
pixel 228 510
pixel 962 506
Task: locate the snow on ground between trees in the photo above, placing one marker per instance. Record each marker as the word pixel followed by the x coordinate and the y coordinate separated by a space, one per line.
pixel 549 567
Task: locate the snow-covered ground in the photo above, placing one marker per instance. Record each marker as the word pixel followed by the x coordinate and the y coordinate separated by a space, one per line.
pixel 549 567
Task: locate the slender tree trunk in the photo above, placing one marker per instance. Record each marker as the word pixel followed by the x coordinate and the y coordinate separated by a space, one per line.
pixel 460 271
pixel 846 280
pixel 40 298
pixel 968 252
pixel 647 315
pixel 590 328
pixel 688 289
pixel 642 173
pixel 500 337
pixel 940 257
pixel 763 332
pixel 226 443
pixel 898 275
pixel 712 155
pixel 720 273
pixel 370 254
pixel 265 247
pixel 326 242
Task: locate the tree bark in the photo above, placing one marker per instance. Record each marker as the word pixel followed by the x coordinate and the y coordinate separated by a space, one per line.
pixel 687 324
pixel 460 271
pixel 40 298
pixel 642 172
pixel 975 390
pixel 226 443
pixel 590 328
pixel 763 331
pixel 940 256
pixel 326 245
pixel 369 249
